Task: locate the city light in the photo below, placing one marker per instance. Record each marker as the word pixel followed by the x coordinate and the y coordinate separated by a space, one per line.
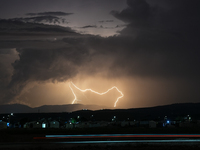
pixel 75 97
pixel 44 125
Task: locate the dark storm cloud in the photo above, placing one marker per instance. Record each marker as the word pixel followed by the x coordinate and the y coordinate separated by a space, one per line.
pixel 35 54
pixel 42 65
pixel 179 17
pixel 156 43
pixel 160 42
pixel 138 11
pixel 57 13
pixel 7 56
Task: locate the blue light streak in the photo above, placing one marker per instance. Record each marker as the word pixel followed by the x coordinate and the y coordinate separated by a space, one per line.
pixel 133 141
pixel 104 135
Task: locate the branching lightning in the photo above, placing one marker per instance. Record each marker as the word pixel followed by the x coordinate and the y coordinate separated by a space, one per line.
pixel 75 97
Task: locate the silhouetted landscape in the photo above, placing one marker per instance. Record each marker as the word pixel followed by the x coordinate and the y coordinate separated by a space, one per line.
pixel 19 108
pixel 83 120
pixel 173 110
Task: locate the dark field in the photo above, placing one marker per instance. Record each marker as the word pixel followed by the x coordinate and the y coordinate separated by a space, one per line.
pixel 22 139
pixel 100 147
pixel 26 135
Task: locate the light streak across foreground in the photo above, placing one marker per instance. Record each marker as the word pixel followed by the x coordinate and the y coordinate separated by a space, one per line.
pixel 75 97
pixel 133 138
pixel 122 136
pixel 182 141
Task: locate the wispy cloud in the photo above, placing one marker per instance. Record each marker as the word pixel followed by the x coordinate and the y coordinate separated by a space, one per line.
pixel 45 17
pixel 56 13
pixel 104 21
pixel 13 26
pixel 89 26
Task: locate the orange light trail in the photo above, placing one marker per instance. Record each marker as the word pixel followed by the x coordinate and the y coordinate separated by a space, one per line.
pixel 75 97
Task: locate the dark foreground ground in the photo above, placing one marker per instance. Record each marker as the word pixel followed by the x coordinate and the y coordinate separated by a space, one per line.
pixel 23 139
pixel 183 146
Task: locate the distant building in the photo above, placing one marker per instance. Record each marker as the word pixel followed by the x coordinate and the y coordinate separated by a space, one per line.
pixel 186 124
pixel 125 123
pixel 26 125
pixel 33 124
pixel 83 125
pixel 103 123
pixel 16 125
pixel 37 124
pixel 70 125
pixel 3 125
pixel 133 123
pixel 54 124
pixel 94 124
pixel 152 124
pixel 144 123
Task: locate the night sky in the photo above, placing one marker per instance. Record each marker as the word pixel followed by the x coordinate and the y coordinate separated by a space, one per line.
pixel 148 49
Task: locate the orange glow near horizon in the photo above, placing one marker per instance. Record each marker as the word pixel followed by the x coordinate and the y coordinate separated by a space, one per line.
pixel 75 97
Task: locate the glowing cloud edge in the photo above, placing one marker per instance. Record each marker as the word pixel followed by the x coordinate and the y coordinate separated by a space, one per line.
pixel 75 97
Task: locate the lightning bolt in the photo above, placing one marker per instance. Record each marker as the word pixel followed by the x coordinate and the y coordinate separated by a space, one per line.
pixel 75 97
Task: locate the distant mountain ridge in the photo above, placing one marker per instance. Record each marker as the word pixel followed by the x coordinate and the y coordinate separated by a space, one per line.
pixel 19 108
pixel 148 113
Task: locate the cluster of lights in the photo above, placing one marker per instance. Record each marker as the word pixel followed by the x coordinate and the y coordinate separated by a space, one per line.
pixel 75 97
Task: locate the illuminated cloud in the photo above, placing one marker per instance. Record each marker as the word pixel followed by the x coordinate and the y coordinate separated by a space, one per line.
pixel 75 97
pixel 160 43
